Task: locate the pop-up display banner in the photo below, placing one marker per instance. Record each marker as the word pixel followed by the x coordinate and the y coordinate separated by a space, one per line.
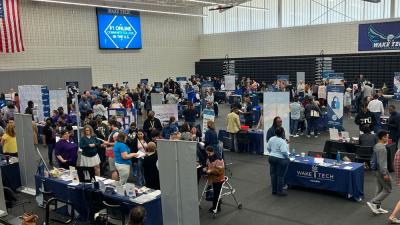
pixel 335 106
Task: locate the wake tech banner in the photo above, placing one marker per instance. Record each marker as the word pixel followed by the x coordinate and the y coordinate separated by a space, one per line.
pixel 379 36
pixel 335 106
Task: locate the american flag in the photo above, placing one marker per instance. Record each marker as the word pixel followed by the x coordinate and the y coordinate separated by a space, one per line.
pixel 10 27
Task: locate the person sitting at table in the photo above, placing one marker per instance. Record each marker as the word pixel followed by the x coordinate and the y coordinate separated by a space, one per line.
pixel 66 152
pixel 137 216
pixel 9 140
pixel 122 157
pixel 279 160
pixel 211 139
pixel 367 139
pixel 215 171
pixel 151 175
pixel 89 144
pixel 275 124
pixel 170 128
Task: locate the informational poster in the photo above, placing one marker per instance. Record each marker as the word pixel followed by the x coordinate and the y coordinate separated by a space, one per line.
pixel 275 104
pixel 208 115
pixel 72 89
pixel 230 84
pixel 335 106
pixel 39 95
pixel 300 76
pixel 396 86
pixel 165 111
pixel 58 98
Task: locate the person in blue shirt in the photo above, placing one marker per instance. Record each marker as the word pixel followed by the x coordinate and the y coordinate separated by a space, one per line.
pixel 171 128
pixel 122 157
pixel 278 160
pixel 295 110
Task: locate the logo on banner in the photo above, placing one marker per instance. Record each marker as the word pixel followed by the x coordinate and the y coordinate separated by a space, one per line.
pixel 315 176
pixel 380 40
pixel 120 31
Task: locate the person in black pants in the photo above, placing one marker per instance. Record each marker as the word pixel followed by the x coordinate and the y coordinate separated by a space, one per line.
pixel 151 175
pixel 49 138
pixel 216 176
pixel 190 114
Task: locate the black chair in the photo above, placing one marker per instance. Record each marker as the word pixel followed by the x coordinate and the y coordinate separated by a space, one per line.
pixel 55 201
pixel 315 154
pixel 351 156
pixel 363 153
pixel 114 212
pixel 227 143
pixel 243 138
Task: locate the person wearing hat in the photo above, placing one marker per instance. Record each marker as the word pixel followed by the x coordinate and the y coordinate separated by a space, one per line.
pixel 347 102
pixel 233 127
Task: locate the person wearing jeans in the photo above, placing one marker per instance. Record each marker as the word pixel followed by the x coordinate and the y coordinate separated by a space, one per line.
pixel 278 160
pixel 295 109
pixel 49 138
pixel 383 180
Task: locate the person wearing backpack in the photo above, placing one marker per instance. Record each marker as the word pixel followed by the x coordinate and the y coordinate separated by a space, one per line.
pixel 379 166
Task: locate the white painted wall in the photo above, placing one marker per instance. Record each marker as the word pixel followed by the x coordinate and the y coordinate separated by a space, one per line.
pixel 66 36
pixel 339 38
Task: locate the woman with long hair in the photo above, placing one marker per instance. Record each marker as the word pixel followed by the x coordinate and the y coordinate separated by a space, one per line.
pixel 9 140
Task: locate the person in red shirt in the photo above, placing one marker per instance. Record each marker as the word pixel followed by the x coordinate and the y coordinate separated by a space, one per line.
pixel 127 102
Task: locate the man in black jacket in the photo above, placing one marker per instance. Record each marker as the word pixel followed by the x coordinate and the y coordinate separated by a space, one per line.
pixel 394 123
pixel 151 123
pixel 365 117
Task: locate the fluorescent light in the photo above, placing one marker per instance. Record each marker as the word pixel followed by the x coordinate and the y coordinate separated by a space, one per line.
pixel 123 8
pixel 223 4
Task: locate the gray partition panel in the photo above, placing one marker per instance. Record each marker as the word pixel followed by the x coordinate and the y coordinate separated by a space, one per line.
pixel 27 156
pixel 3 208
pixel 178 180
pixel 54 78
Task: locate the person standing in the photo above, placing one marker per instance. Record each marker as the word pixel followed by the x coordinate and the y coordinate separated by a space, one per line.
pixel 394 124
pixel 66 152
pixel 275 124
pixel 248 115
pixel 49 138
pixel 211 139
pixel 123 156
pixel 89 144
pixel 365 117
pixel 347 102
pixel 172 127
pixel 379 165
pixel 233 127
pixel 313 113
pixel 215 171
pixel 376 107
pixel 393 217
pixel 279 160
pixel 190 114
pixel 295 110
pixel 151 174
pixel 9 140
pixel 151 123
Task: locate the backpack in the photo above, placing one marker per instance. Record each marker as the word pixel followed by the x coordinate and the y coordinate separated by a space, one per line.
pixel 374 162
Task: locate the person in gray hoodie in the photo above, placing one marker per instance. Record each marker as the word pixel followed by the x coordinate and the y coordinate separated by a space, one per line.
pixel 379 164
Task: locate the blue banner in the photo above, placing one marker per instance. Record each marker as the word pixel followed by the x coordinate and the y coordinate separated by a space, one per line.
pixel 379 36
pixel 335 106
pixel 396 86
pixel 1 9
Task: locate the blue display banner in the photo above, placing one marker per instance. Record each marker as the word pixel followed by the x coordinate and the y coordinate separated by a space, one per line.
pixel 119 29
pixel 379 36
pixel 1 9
pixel 335 106
pixel 45 101
pixel 396 86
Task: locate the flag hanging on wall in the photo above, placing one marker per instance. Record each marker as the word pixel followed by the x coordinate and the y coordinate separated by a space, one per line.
pixel 10 27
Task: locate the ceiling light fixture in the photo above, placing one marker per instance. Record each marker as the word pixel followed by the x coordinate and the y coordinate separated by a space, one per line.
pixel 224 4
pixel 123 8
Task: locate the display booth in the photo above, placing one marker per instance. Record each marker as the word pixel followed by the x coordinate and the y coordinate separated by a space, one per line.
pixel 39 94
pixel 164 112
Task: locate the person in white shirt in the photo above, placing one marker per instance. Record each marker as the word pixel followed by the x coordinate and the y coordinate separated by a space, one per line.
pixel 347 102
pixel 172 98
pixel 376 107
pixel 295 109
pixel 99 109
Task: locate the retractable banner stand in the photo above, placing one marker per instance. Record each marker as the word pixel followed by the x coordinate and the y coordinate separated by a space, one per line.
pixel 230 84
pixel 27 157
pixel 208 115
pixel 178 181
pixel 300 76
pixel 335 106
pixel 275 104
pixel 396 86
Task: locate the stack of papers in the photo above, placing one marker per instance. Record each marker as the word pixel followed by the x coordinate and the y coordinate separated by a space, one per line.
pixel 147 197
pixel 141 154
pixel 348 167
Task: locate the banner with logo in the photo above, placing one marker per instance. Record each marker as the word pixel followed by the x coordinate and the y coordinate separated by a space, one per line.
pixel 165 111
pixel 336 79
pixel 335 106
pixel 275 104
pixel 379 36
pixel 208 115
pixel 230 82
pixel 396 86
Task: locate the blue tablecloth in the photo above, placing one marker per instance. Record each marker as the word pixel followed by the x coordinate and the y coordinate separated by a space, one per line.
pixel 303 172
pixel 10 175
pixel 256 138
pixel 76 196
